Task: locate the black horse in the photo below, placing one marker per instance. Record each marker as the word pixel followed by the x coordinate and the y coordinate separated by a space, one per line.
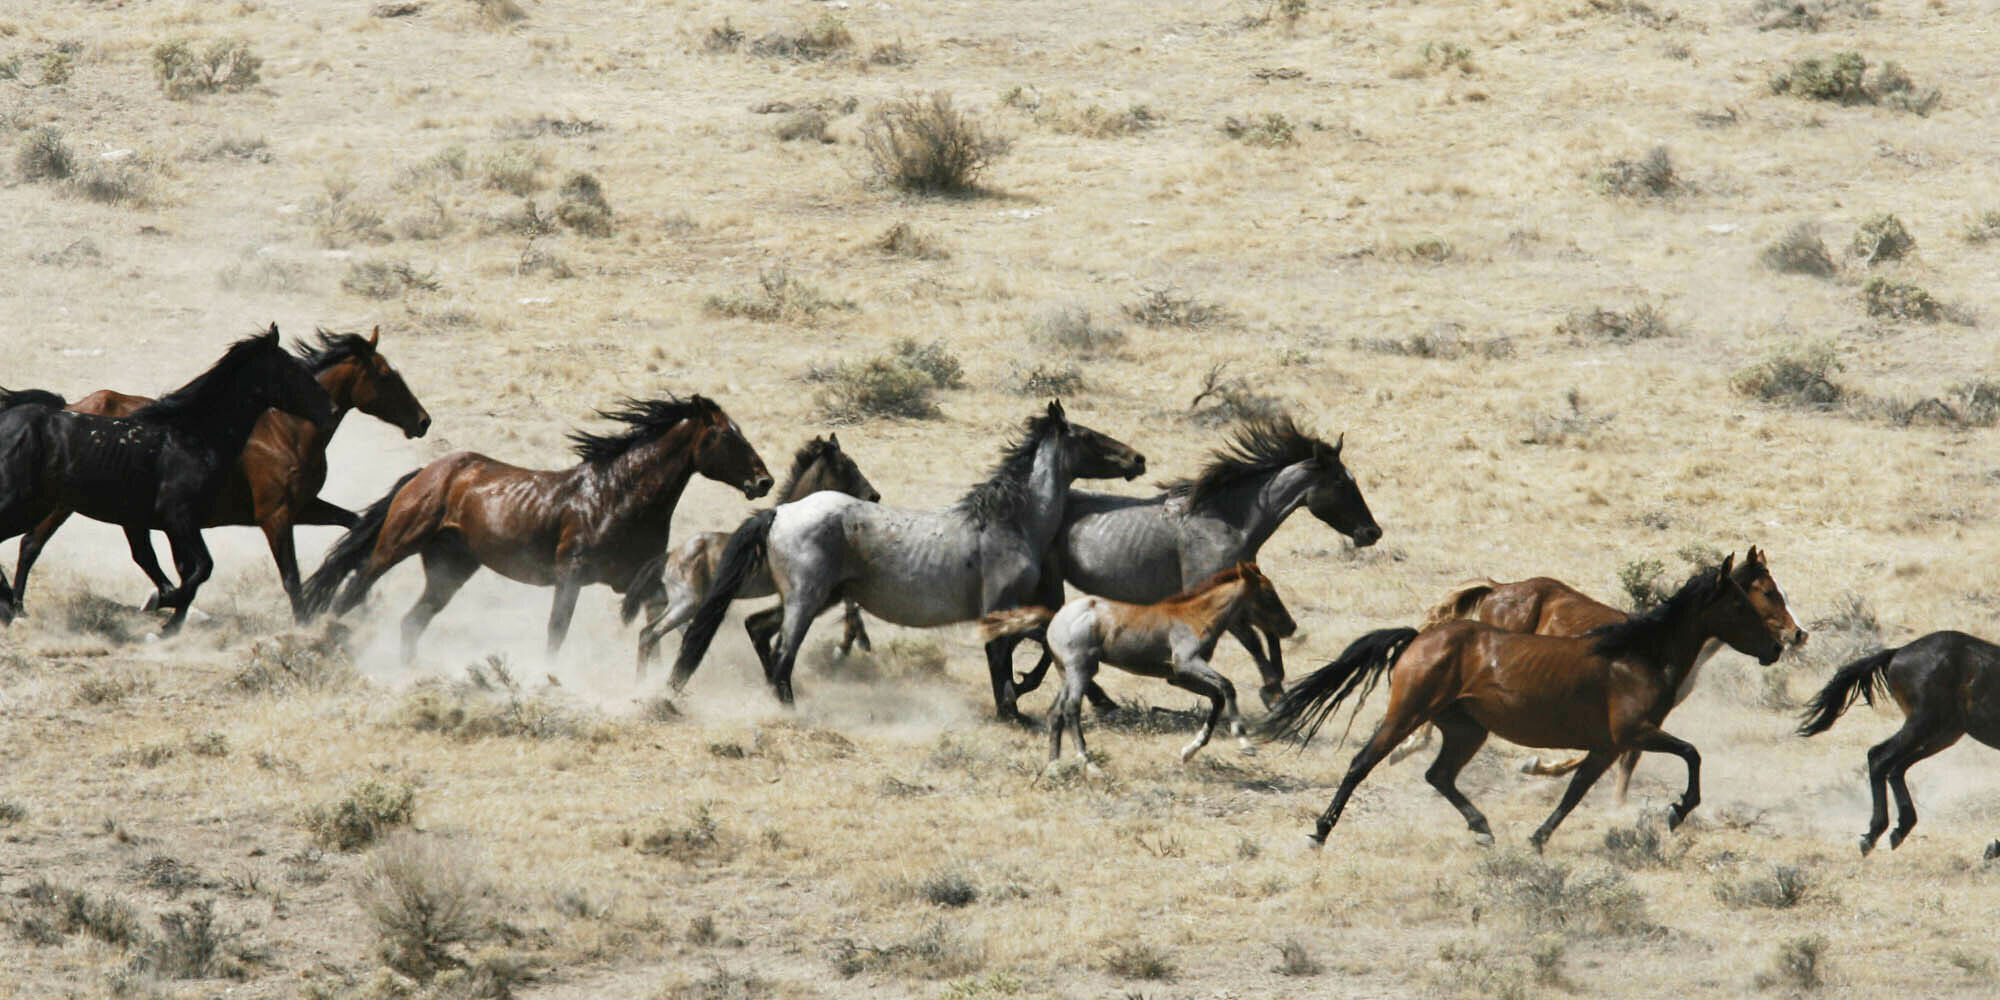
pixel 1948 686
pixel 158 469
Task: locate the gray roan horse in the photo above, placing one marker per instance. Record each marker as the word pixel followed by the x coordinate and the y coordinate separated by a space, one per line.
pixel 1145 550
pixel 916 568
pixel 690 568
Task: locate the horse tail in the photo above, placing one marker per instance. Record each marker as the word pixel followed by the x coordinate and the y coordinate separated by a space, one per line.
pixel 646 584
pixel 1299 714
pixel 1458 603
pixel 1012 622
pixel 745 551
pixel 10 398
pixel 350 552
pixel 1861 678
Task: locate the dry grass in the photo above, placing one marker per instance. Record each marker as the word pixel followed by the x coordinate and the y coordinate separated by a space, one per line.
pixel 926 145
pixel 360 817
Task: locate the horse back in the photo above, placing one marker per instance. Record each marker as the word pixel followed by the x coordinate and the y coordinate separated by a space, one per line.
pixel 1124 548
pixel 1534 690
pixel 109 403
pixel 1544 606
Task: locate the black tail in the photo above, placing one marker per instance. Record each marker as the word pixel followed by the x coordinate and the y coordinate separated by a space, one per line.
pixel 646 584
pixel 1299 714
pixel 10 398
pixel 741 556
pixel 349 553
pixel 1861 678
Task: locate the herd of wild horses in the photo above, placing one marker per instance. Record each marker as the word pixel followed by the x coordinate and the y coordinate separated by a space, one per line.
pixel 1164 577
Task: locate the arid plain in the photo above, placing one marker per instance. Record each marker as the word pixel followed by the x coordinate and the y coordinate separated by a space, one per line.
pixel 1442 229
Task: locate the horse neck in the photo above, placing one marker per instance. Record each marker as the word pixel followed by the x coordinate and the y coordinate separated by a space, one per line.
pixel 1682 648
pixel 647 480
pixel 1258 506
pixel 815 478
pixel 340 382
pixel 224 423
pixel 1211 611
pixel 1048 487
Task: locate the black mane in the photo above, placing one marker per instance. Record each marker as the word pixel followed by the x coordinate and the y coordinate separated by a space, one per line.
pixel 647 419
pixel 199 395
pixel 1647 629
pixel 332 349
pixel 1260 446
pixel 1004 494
pixel 808 453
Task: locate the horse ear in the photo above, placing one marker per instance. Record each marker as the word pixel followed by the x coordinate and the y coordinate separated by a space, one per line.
pixel 1755 558
pixel 375 337
pixel 1339 443
pixel 1728 564
pixel 271 335
pixel 833 439
pixel 1056 410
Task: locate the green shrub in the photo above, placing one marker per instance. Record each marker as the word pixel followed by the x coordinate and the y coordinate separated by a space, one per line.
pixel 44 156
pixel 824 38
pixel 1268 128
pixel 368 810
pixel 224 64
pixel 583 208
pixel 1835 78
pixel 1882 237
pixel 1797 375
pixel 1900 300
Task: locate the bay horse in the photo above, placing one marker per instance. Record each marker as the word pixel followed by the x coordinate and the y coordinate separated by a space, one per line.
pixel 596 522
pixel 1546 606
pixel 1606 692
pixel 1141 550
pixel 1948 686
pixel 690 568
pixel 915 568
pixel 274 483
pixel 161 468
pixel 1171 639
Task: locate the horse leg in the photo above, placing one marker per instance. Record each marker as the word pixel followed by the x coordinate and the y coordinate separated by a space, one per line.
pixel 1000 669
pixel 1068 712
pixel 857 633
pixel 1195 674
pixel 192 562
pixel 800 606
pixel 448 563
pixel 1396 727
pixel 561 610
pixel 660 620
pixel 763 627
pixel 1660 742
pixel 320 512
pixel 1463 737
pixel 1593 767
pixel 1414 745
pixel 1880 757
pixel 284 551
pixel 1626 762
pixel 140 541
pixel 31 549
pixel 1270 665
pixel 1906 807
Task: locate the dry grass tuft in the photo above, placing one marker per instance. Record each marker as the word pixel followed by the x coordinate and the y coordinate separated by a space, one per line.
pixel 1231 399
pixel 1294 959
pixel 1799 964
pixel 1641 322
pixel 360 817
pixel 1780 888
pixel 927 146
pixel 1902 300
pixel 1645 844
pixel 498 13
pixel 1809 15
pixel 425 898
pixel 1577 424
pixel 1798 375
pixel 905 240
pixel 44 156
pixel 823 39
pixel 1048 380
pixel 12 812
pixel 894 659
pixel 387 279
pixel 1799 251
pixel 491 705
pixel 1073 329
pixel 935 952
pixel 901 383
pixel 224 64
pixel 582 206
pixel 192 945
pixel 1881 238
pixel 779 297
pixel 1894 88
pixel 1836 78
pixel 948 888
pixel 1982 229
pixel 517 170
pixel 82 612
pixel 1268 129
pixel 1650 176
pixel 807 124
pixel 58 911
pixel 1167 308
pixel 1547 895
pixel 1444 341
pixel 1139 960
pixel 701 839
pixel 297 661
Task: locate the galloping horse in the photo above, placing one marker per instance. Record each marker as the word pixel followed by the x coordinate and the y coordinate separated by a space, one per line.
pixel 161 468
pixel 596 522
pixel 1606 692
pixel 1171 639
pixel 690 567
pixel 1546 606
pixel 1144 550
pixel 1948 686
pixel 275 481
pixel 917 568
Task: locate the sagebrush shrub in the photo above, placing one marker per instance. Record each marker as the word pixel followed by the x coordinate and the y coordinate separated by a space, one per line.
pixel 927 146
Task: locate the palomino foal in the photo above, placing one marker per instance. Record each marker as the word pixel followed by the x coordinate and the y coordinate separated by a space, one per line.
pixel 1172 639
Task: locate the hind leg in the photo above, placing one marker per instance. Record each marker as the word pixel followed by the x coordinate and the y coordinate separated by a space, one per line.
pixel 1906 807
pixel 1068 711
pixel 31 549
pixel 1882 757
pixel 660 620
pixel 318 511
pixel 857 633
pixel 1462 739
pixel 1270 664
pixel 193 563
pixel 140 541
pixel 284 551
pixel 1593 767
pixel 801 606
pixel 763 627
pixel 1396 727
pixel 1195 674
pixel 447 565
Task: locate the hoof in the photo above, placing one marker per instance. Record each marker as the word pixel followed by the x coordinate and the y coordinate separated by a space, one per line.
pixel 152 603
pixel 1315 844
pixel 1896 838
pixel 1868 844
pixel 1992 851
pixel 1483 839
pixel 1675 817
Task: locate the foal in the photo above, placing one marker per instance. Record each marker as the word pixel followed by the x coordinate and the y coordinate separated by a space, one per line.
pixel 1172 640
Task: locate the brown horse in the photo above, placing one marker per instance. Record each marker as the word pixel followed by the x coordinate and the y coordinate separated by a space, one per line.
pixel 275 482
pixel 1605 693
pixel 1547 606
pixel 1948 686
pixel 599 521
pixel 1171 639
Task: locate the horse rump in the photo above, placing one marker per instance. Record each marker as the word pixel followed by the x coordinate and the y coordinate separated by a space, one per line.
pixel 350 552
pixel 1862 679
pixel 1303 709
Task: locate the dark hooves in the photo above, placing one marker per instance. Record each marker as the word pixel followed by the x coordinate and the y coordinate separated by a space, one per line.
pixel 1992 851
pixel 152 602
pixel 1868 844
pixel 1016 718
pixel 1897 837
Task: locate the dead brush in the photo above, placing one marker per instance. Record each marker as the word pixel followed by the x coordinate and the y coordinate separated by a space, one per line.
pixel 1797 375
pixel 905 240
pixel 362 815
pixel 1649 176
pixel 934 952
pixel 1075 330
pixel 82 612
pixel 1645 844
pixel 58 911
pixel 1295 959
pixel 1141 961
pixel 1848 631
pixel 339 220
pixel 1048 381
pixel 1809 15
pixel 778 297
pixel 382 279
pixel 1549 896
pixel 476 710
pixel 193 945
pixel 807 124
pixel 901 383
pixel 581 206
pixel 1644 321
pixel 1577 425
pixel 701 839
pixel 1269 129
pixel 1982 229
pixel 1880 238
pixel 1799 963
pixel 1095 121
pixel 925 145
pixel 1164 307
pixel 426 899
pixel 1781 887
pixel 1799 251
pixel 899 658
pixel 296 662
pixel 823 39
pixel 225 64
pixel 1443 342
pixel 1230 399
pixel 45 156
pixel 1886 299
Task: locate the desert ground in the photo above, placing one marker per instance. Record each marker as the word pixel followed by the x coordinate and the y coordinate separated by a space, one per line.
pixel 1587 295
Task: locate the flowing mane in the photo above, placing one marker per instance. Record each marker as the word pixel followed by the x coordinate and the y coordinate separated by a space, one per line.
pixel 1260 445
pixel 808 453
pixel 1004 494
pixel 332 349
pixel 199 395
pixel 1648 627
pixel 646 420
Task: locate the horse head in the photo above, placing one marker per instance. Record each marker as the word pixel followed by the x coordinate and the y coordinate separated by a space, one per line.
pixel 379 390
pixel 723 454
pixel 1092 454
pixel 1732 617
pixel 1335 498
pixel 1754 576
pixel 831 468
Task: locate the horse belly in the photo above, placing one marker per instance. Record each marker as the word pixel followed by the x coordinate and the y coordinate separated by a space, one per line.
pixel 918 570
pixel 922 599
pixel 108 473
pixel 1127 555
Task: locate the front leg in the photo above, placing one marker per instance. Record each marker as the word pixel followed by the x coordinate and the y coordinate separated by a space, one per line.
pixel 857 633
pixel 278 535
pixel 564 607
pixel 1656 741
pixel 1270 666
pixel 321 512
pixel 140 541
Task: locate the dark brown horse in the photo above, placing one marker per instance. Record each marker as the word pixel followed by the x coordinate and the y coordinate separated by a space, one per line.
pixel 599 521
pixel 1948 686
pixel 275 482
pixel 1605 693
pixel 1547 606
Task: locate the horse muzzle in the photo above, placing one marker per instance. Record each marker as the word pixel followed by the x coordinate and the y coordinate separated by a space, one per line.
pixel 754 488
pixel 418 428
pixel 1366 535
pixel 1136 469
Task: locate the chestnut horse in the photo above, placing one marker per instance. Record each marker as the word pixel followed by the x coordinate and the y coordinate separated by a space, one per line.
pixel 1547 606
pixel 599 521
pixel 275 482
pixel 1171 639
pixel 1605 693
pixel 1948 686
